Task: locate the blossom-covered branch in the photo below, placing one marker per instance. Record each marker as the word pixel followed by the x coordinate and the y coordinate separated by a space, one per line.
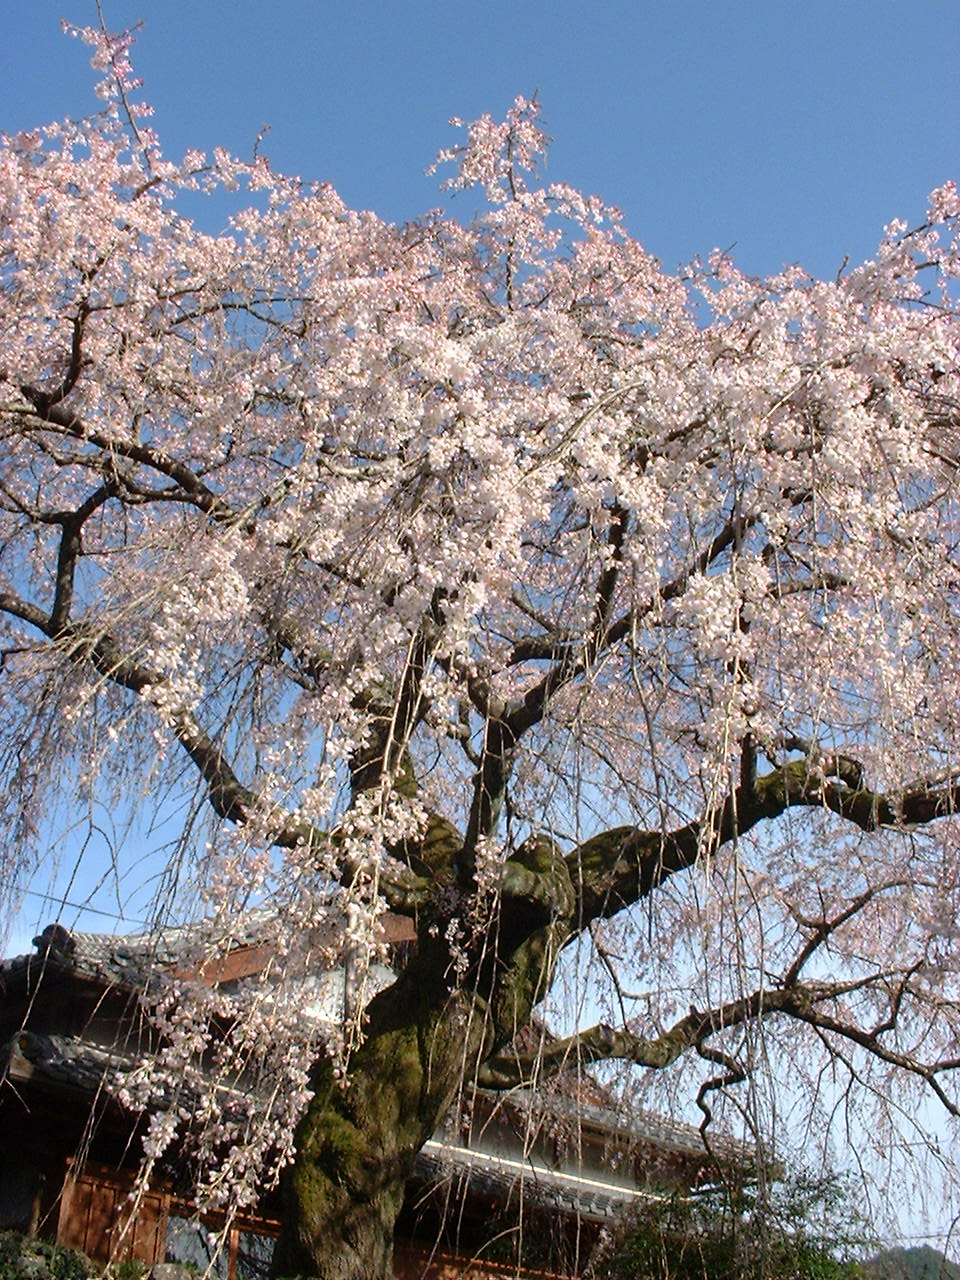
pixel 492 574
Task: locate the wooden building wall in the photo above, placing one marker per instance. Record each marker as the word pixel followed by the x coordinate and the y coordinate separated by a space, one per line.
pixel 101 1215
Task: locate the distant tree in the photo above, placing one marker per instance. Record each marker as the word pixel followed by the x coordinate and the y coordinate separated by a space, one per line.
pixel 920 1262
pixel 492 575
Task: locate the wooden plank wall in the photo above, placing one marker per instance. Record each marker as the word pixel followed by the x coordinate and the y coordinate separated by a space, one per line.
pixel 98 1216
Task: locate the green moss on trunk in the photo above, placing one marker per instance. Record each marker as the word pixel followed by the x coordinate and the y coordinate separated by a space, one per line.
pixel 358 1141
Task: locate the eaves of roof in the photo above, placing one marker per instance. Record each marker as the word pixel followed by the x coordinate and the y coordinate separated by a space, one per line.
pixel 66 1063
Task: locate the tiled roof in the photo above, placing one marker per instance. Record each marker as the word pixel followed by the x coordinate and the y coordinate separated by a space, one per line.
pixel 63 1060
pixel 498 1175
pixel 132 959
pixel 633 1126
pixel 68 1061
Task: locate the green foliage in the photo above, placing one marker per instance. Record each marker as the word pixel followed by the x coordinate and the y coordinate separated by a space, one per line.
pixel 804 1230
pixel 129 1269
pixel 919 1263
pixel 22 1258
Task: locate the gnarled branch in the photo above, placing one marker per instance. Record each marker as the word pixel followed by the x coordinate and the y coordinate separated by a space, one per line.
pixel 619 867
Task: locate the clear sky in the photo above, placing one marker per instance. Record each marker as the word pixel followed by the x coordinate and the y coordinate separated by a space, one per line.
pixel 791 130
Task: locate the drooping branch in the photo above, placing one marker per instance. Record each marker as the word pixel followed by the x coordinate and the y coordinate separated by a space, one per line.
pixel 801 1001
pixel 603 1043
pixel 230 799
pixel 820 931
pixel 869 1040
pixel 56 415
pixel 506 726
pixel 733 1072
pixel 529 709
pixel 572 659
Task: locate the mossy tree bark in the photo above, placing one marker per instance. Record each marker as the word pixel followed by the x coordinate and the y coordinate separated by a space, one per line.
pixel 358 1140
pixel 425 1035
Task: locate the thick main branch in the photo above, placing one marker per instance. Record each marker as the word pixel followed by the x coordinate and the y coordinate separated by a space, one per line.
pixel 620 867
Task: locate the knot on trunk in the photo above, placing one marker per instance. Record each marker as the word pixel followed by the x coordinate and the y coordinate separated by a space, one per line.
pixel 536 875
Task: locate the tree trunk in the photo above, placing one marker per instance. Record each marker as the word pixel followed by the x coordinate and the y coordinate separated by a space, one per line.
pixel 359 1138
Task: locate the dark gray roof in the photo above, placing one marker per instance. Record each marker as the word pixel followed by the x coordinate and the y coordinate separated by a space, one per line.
pixel 63 1060
pixel 130 960
pixel 633 1126
pixel 480 1171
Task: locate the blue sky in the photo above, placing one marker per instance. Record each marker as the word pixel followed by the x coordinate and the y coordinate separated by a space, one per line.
pixel 792 131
